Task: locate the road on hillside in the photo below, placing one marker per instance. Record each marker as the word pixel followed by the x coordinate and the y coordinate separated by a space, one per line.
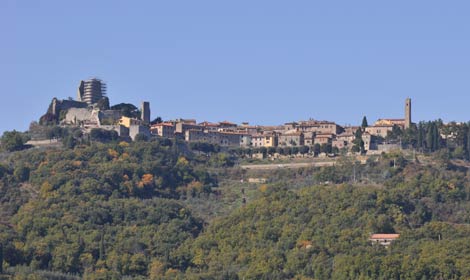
pixel 287 165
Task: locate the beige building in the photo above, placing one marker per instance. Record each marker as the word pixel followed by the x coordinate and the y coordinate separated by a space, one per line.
pixel 128 122
pixel 291 139
pixel 325 138
pixel 351 129
pixel 166 130
pixel 390 122
pixel 379 130
pixel 309 138
pixel 319 127
pixel 182 127
pixel 219 138
pixel 346 137
pixel 339 144
pixel 384 239
pixel 264 140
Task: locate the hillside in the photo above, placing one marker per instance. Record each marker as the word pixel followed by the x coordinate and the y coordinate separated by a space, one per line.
pixel 161 210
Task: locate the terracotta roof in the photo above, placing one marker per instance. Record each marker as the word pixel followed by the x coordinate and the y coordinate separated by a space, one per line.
pixel 227 122
pixel 162 124
pixel 379 126
pixel 390 119
pixel 208 124
pixel 385 236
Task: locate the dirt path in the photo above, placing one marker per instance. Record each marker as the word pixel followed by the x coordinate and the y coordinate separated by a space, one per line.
pixel 288 165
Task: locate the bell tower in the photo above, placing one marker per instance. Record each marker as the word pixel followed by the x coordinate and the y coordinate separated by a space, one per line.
pixel 408 113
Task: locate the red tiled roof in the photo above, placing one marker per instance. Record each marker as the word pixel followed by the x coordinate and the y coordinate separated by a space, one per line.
pixel 393 120
pixel 226 122
pixel 162 124
pixel 385 236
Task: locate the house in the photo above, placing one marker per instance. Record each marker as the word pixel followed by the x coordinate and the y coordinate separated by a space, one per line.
pixel 134 130
pixel 182 127
pixel 321 127
pixel 340 144
pixel 198 135
pixel 128 122
pixel 264 140
pixel 347 137
pixel 165 129
pixel 226 125
pixel 323 138
pixel 351 129
pixel 379 130
pixel 309 138
pixel 384 239
pixel 291 139
pixel 208 126
pixel 390 122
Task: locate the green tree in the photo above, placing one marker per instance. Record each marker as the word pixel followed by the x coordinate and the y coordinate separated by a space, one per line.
pixel 468 142
pixel 430 137
pixel 103 103
pixel 316 148
pixel 156 120
pixel 326 148
pixel 421 136
pixel 13 140
pixel 127 110
pixel 140 137
pixel 102 135
pixel 364 123
pixel 1 258
pixel 304 149
pixel 358 143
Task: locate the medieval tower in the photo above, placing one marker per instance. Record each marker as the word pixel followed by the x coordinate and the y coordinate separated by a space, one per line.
pixel 91 91
pixel 408 113
pixel 145 112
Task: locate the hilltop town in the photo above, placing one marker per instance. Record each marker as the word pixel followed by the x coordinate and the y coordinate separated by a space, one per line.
pixel 91 110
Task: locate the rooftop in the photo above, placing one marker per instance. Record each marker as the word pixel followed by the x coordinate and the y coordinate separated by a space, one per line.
pixel 385 236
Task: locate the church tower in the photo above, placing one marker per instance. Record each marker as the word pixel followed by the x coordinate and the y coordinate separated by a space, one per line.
pixel 408 113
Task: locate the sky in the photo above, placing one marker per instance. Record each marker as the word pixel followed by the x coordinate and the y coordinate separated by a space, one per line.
pixel 262 62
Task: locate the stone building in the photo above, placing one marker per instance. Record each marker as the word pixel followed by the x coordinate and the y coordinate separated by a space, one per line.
pixel 291 139
pixel 321 127
pixel 166 130
pixel 182 127
pixel 379 130
pixel 135 129
pixel 85 117
pixel 309 138
pixel 323 138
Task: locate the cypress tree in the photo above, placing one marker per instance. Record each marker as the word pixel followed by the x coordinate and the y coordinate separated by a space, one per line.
pixel 436 137
pixel 468 141
pixel 429 137
pixel 420 143
pixel 364 123
pixel 1 258
pixel 102 252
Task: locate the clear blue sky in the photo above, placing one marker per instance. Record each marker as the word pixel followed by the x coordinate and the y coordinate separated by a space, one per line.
pixel 266 62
